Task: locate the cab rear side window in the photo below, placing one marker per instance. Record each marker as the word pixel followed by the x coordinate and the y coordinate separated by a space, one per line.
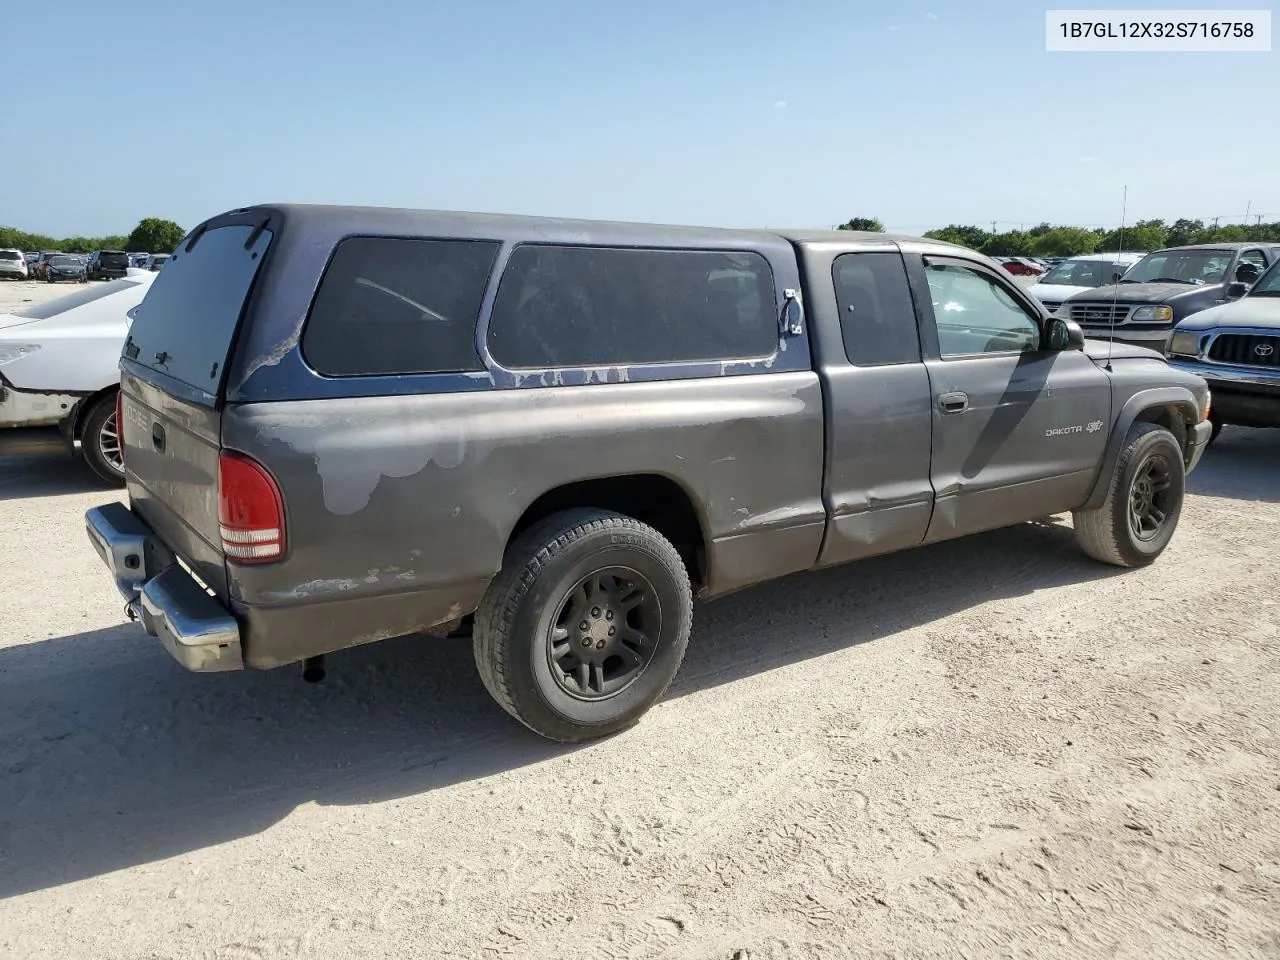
pixel 577 306
pixel 877 315
pixel 393 306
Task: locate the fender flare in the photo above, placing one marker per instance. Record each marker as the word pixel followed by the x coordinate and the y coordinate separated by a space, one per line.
pixel 1180 398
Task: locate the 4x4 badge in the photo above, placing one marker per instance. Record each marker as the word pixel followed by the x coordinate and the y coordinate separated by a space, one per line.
pixel 1095 426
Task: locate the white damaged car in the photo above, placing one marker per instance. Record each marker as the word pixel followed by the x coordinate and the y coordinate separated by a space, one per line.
pixel 60 368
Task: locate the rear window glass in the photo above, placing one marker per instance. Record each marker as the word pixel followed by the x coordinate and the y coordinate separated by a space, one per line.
pixel 388 306
pixel 561 306
pixel 51 308
pixel 185 325
pixel 10 255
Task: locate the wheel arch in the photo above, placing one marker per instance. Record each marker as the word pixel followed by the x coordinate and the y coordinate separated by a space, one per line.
pixel 1174 408
pixel 658 500
pixel 87 403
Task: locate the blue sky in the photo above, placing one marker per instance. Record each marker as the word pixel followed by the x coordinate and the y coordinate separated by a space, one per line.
pixel 717 112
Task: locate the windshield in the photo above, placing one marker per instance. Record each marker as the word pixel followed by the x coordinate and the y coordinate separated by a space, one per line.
pixel 1083 273
pixel 1180 266
pixel 64 261
pixel 1268 284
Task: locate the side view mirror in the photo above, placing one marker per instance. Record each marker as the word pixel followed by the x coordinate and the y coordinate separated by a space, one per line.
pixel 1236 290
pixel 1065 334
pixel 1247 273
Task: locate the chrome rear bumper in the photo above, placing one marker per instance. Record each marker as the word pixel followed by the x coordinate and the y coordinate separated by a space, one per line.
pixel 193 626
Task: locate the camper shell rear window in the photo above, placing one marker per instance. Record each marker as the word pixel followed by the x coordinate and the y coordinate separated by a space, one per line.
pixel 186 324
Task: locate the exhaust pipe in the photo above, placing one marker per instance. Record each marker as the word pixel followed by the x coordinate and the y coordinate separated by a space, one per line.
pixel 313 669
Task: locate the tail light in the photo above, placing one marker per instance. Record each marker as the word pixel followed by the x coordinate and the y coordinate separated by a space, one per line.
pixel 120 423
pixel 250 510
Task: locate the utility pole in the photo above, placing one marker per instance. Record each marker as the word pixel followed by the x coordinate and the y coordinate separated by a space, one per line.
pixel 1247 207
pixel 1258 219
pixel 993 227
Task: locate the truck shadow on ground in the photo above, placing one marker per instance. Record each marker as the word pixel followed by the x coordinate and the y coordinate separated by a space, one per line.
pixel 1242 464
pixel 47 475
pixel 113 756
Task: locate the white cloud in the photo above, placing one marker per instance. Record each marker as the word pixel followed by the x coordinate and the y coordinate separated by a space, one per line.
pixel 895 28
pixel 931 16
pixel 779 104
pixel 1088 159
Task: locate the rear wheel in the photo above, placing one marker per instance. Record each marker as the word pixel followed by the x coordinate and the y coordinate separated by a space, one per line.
pixel 100 441
pixel 1140 513
pixel 1217 429
pixel 585 625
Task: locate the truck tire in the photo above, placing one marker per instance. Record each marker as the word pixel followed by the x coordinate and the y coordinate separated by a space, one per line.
pixel 1217 429
pixel 585 625
pixel 100 441
pixel 1144 501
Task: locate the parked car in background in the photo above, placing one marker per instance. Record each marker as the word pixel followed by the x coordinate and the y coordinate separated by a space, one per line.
pixel 156 261
pixel 1079 274
pixel 1166 287
pixel 66 267
pixel 13 266
pixel 60 369
pixel 138 259
pixel 40 268
pixel 108 264
pixel 1236 348
pixel 358 423
pixel 1019 266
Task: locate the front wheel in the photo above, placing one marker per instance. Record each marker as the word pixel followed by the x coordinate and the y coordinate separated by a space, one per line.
pixel 101 443
pixel 585 625
pixel 1144 501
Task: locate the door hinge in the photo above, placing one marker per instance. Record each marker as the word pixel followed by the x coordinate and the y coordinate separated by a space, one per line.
pixel 792 319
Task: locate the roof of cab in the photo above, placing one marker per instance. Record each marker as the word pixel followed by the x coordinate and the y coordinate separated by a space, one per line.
pixel 865 238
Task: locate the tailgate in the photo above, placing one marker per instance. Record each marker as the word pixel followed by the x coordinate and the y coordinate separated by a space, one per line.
pixel 172 373
pixel 171 461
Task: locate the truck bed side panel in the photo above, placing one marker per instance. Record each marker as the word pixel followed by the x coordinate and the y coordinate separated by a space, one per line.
pixel 409 500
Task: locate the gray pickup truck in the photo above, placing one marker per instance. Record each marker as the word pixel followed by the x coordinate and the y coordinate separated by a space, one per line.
pixel 347 424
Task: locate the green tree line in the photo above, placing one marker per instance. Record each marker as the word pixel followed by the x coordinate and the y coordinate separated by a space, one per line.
pixel 1047 240
pixel 151 235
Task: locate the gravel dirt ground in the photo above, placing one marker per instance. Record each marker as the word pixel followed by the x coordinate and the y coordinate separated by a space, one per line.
pixel 990 747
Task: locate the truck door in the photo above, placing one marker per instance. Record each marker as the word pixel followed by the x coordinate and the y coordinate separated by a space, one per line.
pixel 876 489
pixel 1018 430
